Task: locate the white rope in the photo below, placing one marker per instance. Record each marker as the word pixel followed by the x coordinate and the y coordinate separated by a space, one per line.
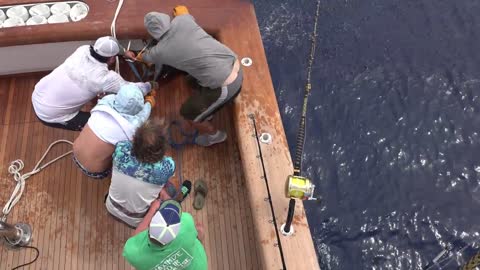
pixel 15 169
pixel 113 31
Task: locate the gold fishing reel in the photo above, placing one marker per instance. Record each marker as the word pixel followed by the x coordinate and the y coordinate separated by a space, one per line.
pixel 300 187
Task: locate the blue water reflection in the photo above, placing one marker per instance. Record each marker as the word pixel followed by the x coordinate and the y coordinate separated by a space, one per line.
pixel 393 131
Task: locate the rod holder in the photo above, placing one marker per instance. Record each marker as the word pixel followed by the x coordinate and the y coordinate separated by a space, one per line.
pixel 16 235
pixel 287 228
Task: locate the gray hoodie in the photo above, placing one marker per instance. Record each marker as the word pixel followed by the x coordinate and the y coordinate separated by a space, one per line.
pixel 184 45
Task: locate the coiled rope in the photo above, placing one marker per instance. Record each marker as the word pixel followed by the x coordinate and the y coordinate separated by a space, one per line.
pixel 300 142
pixel 16 168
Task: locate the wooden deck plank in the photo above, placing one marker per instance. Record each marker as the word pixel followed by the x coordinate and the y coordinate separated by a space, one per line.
pixel 34 186
pixel 219 185
pixel 225 200
pixel 60 184
pixel 54 184
pixel 60 234
pixel 213 216
pixel 232 205
pixel 16 147
pixel 69 196
pixel 32 201
pixel 46 256
pixel 4 99
pixel 12 148
pixel 52 191
pixel 239 221
pixel 69 219
pixel 76 218
pixel 23 150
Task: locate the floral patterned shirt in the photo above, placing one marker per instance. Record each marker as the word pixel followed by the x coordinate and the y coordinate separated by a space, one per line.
pixel 156 173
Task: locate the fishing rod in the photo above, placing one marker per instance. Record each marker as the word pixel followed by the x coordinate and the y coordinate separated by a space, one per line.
pixel 298 186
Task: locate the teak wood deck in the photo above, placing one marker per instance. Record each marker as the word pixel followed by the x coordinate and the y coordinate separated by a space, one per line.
pixel 73 230
pixel 65 208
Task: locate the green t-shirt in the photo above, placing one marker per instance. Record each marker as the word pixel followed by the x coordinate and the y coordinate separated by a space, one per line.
pixel 185 252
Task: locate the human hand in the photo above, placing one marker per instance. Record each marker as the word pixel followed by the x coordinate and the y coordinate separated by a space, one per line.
pixel 129 55
pixel 139 57
pixel 150 99
pixel 180 10
pixel 152 93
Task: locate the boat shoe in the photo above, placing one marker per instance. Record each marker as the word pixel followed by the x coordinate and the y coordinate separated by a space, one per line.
pixel 208 140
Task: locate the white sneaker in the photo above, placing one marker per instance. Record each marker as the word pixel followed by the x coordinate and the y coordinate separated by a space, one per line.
pixel 208 140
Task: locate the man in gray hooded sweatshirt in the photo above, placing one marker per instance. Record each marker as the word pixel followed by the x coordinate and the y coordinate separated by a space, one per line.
pixel 184 45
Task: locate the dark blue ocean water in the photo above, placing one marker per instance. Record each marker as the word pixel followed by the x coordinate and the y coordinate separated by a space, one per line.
pixel 393 139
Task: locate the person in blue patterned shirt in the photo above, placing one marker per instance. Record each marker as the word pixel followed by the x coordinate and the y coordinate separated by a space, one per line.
pixel 140 172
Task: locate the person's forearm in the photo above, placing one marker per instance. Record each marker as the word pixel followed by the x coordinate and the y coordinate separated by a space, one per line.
pixel 146 221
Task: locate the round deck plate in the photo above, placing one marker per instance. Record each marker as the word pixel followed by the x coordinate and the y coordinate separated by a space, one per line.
pixel 246 61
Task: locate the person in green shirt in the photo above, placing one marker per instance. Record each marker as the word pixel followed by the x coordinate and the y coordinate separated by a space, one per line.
pixel 166 239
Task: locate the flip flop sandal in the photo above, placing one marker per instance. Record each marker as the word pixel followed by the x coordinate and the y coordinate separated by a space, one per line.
pixel 201 191
pixel 186 188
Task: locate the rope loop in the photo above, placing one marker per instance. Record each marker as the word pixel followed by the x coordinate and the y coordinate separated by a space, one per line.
pixel 15 170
